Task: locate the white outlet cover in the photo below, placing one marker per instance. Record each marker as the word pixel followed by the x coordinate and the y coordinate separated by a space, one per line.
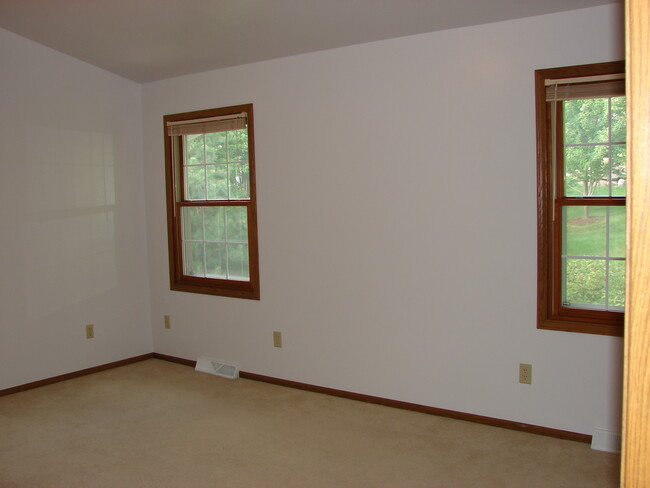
pixel 217 368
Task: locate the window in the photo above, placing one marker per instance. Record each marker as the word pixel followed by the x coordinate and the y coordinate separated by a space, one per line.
pixel 581 171
pixel 211 205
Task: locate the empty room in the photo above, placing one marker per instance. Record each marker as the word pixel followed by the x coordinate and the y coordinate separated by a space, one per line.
pixel 348 215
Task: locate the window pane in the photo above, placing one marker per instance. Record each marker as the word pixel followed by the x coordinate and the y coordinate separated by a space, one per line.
pixel 195 182
pixel 194 149
pixel 222 250
pixel 215 257
pixel 584 283
pixel 584 231
pixel 238 262
pixel 238 145
pixel 193 259
pixel 597 283
pixel 594 159
pixel 208 173
pixel 217 176
pixel 617 284
pixel 586 170
pixel 192 218
pixel 617 232
pixel 586 121
pixel 237 222
pixel 215 228
pixel 618 119
pixel 619 170
pixel 215 147
pixel 238 175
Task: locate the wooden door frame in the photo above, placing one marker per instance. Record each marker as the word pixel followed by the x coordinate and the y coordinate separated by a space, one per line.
pixel 635 468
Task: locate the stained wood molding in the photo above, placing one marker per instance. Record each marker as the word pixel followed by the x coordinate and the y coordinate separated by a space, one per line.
pixel 75 374
pixel 441 412
pixel 635 468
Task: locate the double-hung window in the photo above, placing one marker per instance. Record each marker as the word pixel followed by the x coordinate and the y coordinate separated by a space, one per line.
pixel 582 180
pixel 211 204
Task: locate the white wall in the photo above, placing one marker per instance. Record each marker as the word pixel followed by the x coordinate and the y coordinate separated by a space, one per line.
pixel 72 244
pixel 397 223
pixel 396 209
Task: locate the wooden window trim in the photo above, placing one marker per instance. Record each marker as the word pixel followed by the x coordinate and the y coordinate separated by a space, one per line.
pixel 550 314
pixel 176 200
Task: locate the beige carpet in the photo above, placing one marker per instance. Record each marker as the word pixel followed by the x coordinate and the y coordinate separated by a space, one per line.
pixel 158 424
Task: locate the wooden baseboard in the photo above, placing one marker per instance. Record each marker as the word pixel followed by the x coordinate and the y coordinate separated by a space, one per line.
pixel 75 374
pixel 441 412
pixel 174 359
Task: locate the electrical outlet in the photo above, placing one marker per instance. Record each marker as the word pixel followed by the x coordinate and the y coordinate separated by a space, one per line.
pixel 277 339
pixel 526 374
pixel 168 323
pixel 90 331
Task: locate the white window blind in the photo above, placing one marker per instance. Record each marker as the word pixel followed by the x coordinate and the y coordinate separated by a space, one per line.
pixel 585 87
pixel 207 125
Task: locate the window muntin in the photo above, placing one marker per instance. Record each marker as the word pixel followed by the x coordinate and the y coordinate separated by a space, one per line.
pixel 593 258
pixel 215 242
pixel 215 166
pixel 211 202
pixel 593 236
pixel 581 199
pixel 594 147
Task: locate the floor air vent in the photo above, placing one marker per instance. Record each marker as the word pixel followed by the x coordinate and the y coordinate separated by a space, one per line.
pixel 218 368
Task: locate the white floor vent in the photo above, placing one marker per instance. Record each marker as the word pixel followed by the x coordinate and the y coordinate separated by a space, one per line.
pixel 605 440
pixel 218 368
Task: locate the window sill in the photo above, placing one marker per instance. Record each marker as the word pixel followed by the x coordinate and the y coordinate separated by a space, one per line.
pixel 239 290
pixel 581 327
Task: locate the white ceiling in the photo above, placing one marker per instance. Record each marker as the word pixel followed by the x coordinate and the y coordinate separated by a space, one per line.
pixel 147 40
